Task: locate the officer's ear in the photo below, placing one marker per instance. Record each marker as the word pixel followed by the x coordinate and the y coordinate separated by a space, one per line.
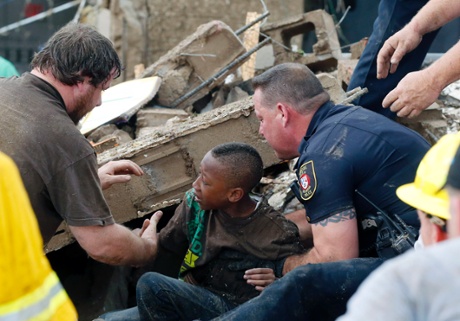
pixel 285 113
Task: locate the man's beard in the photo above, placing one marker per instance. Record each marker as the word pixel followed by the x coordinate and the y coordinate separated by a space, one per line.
pixel 82 107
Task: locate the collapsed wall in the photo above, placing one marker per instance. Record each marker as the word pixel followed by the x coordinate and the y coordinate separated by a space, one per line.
pixel 143 31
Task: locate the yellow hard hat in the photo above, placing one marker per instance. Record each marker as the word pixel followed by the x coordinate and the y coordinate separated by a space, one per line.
pixel 427 193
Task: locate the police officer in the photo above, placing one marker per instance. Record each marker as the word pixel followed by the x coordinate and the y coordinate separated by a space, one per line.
pixel 351 160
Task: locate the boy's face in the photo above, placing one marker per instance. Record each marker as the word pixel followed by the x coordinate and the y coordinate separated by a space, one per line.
pixel 211 190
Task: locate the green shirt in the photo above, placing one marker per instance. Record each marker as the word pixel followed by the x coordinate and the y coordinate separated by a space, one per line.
pixel 7 69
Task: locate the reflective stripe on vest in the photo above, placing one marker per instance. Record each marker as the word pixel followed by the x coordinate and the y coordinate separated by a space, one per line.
pixel 40 304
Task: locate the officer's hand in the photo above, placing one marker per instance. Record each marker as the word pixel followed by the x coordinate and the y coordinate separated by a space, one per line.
pixel 260 277
pixel 118 172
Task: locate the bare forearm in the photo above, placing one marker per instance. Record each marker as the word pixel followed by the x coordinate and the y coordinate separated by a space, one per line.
pixel 434 15
pixel 115 245
pixel 446 69
pixel 128 249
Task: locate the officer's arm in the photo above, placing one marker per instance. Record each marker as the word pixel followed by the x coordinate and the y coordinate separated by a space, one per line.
pixel 335 238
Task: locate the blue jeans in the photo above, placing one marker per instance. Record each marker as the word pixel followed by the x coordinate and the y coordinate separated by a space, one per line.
pixel 393 15
pixel 164 298
pixel 309 292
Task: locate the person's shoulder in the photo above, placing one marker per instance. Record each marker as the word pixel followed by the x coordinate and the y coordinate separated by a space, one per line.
pixel 427 258
pixel 274 216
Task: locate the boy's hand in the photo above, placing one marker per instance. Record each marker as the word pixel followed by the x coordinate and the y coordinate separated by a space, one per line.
pixel 260 277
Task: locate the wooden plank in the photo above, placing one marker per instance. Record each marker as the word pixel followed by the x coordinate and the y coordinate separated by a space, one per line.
pixel 250 40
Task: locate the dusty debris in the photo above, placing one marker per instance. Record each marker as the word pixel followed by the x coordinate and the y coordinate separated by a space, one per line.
pixel 198 57
pixel 326 51
pixel 150 118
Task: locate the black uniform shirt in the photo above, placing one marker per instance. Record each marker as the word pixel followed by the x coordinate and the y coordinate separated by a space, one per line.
pixel 348 148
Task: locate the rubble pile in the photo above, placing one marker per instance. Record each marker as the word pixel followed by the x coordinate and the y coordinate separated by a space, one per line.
pixel 203 101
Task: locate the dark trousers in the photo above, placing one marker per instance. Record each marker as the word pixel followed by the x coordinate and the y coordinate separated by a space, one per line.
pixel 393 15
pixel 310 292
pixel 162 298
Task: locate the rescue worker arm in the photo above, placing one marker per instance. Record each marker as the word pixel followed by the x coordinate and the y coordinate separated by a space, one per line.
pixel 260 278
pixel 299 218
pixel 115 172
pixel 117 245
pixel 432 16
pixel 335 238
pixel 418 90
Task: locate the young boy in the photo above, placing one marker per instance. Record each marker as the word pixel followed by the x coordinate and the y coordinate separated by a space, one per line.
pixel 233 244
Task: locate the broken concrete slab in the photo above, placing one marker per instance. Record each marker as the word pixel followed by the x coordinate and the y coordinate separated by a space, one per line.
pixel 332 86
pixel 326 51
pixel 357 48
pixel 195 59
pixel 170 158
pixel 156 116
pixel 345 68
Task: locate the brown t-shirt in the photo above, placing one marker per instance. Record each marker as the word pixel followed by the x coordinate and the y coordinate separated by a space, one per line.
pixel 218 248
pixel 57 164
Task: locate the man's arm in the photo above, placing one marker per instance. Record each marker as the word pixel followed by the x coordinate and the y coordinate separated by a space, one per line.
pixel 117 245
pixel 335 238
pixel 418 90
pixel 432 16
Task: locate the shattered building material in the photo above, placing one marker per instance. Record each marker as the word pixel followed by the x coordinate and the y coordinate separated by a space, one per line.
pixel 357 48
pixel 107 137
pixel 198 57
pixel 250 39
pixel 143 31
pixel 326 51
pixel 149 118
pixel 345 69
pixel 170 159
pixel 430 123
pixel 332 86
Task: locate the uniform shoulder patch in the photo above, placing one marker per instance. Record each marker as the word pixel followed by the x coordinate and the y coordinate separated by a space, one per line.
pixel 307 180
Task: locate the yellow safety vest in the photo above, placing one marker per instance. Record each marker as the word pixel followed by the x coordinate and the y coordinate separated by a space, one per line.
pixel 29 288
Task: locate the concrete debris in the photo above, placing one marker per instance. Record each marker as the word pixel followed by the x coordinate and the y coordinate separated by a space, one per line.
pixel 345 69
pixel 198 57
pixel 149 118
pixel 326 51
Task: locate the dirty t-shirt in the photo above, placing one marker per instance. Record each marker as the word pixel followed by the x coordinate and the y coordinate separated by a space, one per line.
pixel 350 148
pixel 218 249
pixel 56 162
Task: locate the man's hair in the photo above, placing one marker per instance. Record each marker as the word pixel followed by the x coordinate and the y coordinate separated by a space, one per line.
pixel 77 51
pixel 244 166
pixel 291 83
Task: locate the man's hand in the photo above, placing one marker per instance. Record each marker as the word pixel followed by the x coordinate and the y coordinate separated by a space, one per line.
pixel 394 49
pixel 149 226
pixel 118 172
pixel 260 277
pixel 414 93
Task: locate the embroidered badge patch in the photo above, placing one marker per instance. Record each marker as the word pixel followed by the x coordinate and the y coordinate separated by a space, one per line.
pixel 307 180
